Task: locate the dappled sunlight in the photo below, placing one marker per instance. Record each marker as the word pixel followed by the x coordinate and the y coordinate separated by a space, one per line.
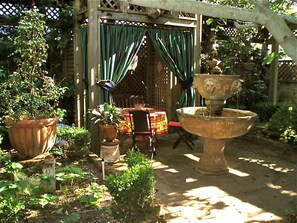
pixel 171 170
pixel 254 190
pixel 238 173
pixel 282 191
pixel 159 165
pixel 272 166
pixel 190 180
pixel 192 157
pixel 232 171
pixel 206 203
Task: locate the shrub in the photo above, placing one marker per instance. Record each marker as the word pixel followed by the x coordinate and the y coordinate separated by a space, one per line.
pixel 284 122
pixel 135 157
pixel 133 190
pixel 73 141
pixel 265 110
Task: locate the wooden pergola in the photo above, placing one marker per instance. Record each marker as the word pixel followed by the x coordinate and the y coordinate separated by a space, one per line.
pixel 91 13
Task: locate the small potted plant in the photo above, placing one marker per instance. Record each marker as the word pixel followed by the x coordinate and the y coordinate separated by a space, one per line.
pixel 108 116
pixel 29 97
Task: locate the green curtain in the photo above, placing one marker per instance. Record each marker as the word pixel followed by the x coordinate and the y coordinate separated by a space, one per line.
pixel 119 46
pixel 176 47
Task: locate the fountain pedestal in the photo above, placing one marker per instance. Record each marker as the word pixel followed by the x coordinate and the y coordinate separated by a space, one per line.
pixel 212 161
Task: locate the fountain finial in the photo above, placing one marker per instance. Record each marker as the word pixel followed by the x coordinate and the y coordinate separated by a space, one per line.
pixel 213 64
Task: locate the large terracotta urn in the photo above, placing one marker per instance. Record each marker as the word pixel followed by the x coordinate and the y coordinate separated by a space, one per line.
pixel 32 137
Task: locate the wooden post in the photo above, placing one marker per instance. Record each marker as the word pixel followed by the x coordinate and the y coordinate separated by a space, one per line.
pixel 273 81
pixel 78 70
pixel 197 51
pixel 93 70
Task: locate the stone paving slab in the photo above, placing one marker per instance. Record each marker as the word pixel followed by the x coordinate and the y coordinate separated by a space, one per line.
pixel 260 186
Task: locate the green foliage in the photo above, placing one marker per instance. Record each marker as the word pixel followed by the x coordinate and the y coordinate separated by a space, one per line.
pixel 284 121
pixel 92 195
pixel 289 136
pixel 11 205
pixel 265 110
pixel 17 194
pixel 72 141
pixel 28 92
pixel 133 190
pixel 43 200
pixel 253 92
pixel 107 114
pixel 135 157
pixel 71 174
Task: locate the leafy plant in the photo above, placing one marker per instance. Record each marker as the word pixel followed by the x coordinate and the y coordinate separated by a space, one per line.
pixel 284 122
pixel 43 200
pixel 265 110
pixel 107 114
pixel 92 195
pixel 71 174
pixel 72 141
pixel 133 190
pixel 135 157
pixel 29 92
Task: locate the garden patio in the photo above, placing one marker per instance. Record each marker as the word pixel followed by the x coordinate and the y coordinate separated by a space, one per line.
pixel 261 185
pixel 94 65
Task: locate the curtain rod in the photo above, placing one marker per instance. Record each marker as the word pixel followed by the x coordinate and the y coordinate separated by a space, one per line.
pixel 151 26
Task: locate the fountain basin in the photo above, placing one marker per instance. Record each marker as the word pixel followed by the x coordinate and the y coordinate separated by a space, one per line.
pixel 217 87
pixel 215 130
pixel 232 123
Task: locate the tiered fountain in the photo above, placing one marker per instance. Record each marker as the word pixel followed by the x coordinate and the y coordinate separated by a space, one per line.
pixel 214 123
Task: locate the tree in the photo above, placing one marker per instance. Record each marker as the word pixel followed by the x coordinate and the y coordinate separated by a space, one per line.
pixel 259 12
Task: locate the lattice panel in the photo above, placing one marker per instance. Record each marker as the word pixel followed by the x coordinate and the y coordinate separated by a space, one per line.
pixel 230 31
pixel 130 23
pixel 160 81
pixel 136 8
pixel 14 10
pixel 135 82
pixel 110 4
pixel 287 71
pixel 187 15
pixel 52 13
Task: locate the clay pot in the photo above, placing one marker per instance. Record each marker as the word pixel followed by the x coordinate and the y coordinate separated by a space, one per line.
pixel 108 132
pixel 32 137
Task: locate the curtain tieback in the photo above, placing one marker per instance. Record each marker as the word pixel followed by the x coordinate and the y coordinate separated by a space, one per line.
pixel 107 85
pixel 187 83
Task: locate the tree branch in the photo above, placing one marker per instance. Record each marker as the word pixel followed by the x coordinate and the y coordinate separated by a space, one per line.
pixel 261 14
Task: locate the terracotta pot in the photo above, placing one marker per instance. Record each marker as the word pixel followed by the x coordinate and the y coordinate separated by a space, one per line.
pixel 32 137
pixel 108 132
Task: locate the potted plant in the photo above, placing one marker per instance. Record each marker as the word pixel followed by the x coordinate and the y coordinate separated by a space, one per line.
pixel 108 116
pixel 28 96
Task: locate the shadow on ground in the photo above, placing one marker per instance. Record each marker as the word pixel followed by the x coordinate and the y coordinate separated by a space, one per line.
pixel 261 185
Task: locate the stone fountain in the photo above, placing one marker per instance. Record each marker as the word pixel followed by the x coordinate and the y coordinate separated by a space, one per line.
pixel 214 123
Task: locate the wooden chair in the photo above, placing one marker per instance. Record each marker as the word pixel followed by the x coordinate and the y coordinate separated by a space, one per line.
pixel 141 127
pixel 127 101
pixel 183 134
